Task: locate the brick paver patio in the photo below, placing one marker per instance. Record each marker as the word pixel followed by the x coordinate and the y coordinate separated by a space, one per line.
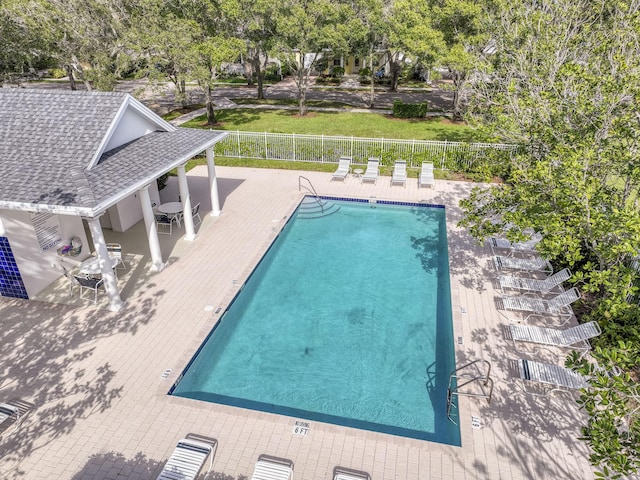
pixel 98 380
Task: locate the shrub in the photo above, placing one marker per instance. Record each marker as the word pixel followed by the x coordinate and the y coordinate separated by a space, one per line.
pixel 409 110
pixel 337 72
pixel 57 73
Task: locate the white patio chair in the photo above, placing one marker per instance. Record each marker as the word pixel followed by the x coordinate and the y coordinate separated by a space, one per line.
pixel 195 214
pixel 90 284
pixel 373 169
pixel 559 305
pixel 536 285
pixel 188 458
pixel 115 251
pixel 574 337
pixel 272 468
pixel 426 176
pixel 344 166
pixel 399 173
pixel 164 223
pixel 549 377
pixel 535 264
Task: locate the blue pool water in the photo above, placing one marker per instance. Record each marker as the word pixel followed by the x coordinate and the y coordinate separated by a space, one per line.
pixel 346 320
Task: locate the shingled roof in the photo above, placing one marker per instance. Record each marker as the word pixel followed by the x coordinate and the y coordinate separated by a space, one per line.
pixel 51 150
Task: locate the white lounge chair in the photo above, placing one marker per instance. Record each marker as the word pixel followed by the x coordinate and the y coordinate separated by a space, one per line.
pixel 399 173
pixel 536 264
pixel 504 244
pixel 344 166
pixel 187 459
pixel 574 337
pixel 272 468
pixel 550 377
pixel 545 285
pixel 373 169
pixel 341 473
pixel 9 417
pixel 426 175
pixel 559 305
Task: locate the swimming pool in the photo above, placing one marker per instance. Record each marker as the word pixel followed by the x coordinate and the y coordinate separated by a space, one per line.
pixel 346 320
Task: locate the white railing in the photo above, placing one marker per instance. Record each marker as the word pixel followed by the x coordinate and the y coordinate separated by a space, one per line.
pixel 327 149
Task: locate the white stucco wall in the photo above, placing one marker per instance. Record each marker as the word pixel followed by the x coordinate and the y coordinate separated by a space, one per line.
pixel 36 267
pixel 128 212
pixel 132 125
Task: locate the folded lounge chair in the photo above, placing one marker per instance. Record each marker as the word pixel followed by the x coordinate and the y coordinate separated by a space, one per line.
pixel 344 165
pixel 523 264
pixel 504 244
pixel 559 305
pixel 272 468
pixel 536 285
pixel 574 337
pixel 426 176
pixel 373 169
pixel 551 377
pixel 399 173
pixel 187 459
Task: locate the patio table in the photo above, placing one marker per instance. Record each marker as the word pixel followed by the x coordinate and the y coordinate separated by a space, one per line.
pixel 172 210
pixel 91 266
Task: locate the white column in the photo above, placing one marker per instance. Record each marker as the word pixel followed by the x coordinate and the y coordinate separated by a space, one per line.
pixel 186 204
pixel 213 184
pixel 110 282
pixel 152 230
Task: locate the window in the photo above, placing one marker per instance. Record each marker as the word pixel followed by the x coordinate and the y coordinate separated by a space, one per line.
pixel 356 62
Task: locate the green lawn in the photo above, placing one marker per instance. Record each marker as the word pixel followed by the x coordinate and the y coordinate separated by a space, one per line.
pixel 369 125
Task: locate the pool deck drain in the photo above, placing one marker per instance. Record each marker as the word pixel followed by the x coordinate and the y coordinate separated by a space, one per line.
pixel 101 412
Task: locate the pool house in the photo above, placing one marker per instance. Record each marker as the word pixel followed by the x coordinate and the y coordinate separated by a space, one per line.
pixel 75 163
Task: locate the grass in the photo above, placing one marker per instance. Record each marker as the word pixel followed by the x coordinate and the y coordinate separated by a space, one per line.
pixel 291 102
pixel 307 167
pixel 368 125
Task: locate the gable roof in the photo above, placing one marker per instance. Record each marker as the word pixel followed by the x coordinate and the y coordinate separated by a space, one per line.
pixel 51 150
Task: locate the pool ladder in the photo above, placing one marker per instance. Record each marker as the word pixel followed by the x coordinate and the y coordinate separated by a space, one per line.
pixel 315 207
pixel 477 378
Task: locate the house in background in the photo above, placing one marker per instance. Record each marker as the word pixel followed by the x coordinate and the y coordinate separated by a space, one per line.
pixel 75 158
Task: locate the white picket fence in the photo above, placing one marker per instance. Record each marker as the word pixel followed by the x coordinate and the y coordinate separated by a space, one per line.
pixel 327 149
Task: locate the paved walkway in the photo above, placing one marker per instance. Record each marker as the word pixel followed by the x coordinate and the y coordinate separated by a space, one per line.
pixel 161 98
pixel 98 380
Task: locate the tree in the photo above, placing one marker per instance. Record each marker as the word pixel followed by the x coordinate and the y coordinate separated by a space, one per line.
pixel 167 41
pixel 459 21
pixel 563 85
pixel 84 36
pixel 255 22
pixel 21 49
pixel 612 402
pixel 306 31
pixel 213 53
pixel 409 36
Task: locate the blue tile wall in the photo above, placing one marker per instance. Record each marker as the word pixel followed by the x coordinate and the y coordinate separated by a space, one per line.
pixel 11 284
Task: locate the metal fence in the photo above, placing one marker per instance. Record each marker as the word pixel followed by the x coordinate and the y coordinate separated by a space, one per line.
pixel 327 149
